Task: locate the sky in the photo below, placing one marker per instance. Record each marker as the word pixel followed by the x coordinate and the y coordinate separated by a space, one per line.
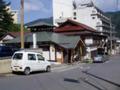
pixel 35 9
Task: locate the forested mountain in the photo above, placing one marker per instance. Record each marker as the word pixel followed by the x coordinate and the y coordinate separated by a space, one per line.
pixel 115 16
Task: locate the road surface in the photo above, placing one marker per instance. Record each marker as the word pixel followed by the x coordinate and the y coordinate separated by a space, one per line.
pixel 68 78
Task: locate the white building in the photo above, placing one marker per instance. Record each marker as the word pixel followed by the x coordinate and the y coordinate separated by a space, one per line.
pixel 15 14
pixel 62 9
pixel 89 14
pixel 83 11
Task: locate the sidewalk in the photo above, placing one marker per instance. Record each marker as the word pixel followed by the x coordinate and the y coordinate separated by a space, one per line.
pixel 5 66
pixel 65 64
pixel 6 71
pixel 63 67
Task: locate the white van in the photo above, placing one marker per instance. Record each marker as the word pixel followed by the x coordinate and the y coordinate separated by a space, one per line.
pixel 28 61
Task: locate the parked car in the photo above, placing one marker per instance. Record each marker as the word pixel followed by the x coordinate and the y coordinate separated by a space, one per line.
pixel 98 59
pixel 6 51
pixel 29 61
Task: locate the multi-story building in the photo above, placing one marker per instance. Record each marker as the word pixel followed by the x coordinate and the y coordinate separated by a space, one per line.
pixel 84 12
pixel 62 9
pixel 89 14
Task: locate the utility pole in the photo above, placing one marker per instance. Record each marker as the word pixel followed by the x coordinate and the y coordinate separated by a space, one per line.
pixel 22 23
pixel 117 5
pixel 111 36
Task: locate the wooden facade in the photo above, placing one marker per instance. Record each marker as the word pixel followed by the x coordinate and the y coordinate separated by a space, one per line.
pixel 73 28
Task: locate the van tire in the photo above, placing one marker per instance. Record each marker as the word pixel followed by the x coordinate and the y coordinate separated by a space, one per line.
pixel 48 69
pixel 13 72
pixel 27 71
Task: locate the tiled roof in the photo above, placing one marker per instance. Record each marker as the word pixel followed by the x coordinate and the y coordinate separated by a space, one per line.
pixel 39 22
pixel 15 34
pixel 59 39
pixel 71 25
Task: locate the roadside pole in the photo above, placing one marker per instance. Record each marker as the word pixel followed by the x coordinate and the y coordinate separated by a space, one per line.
pixel 22 23
pixel 110 37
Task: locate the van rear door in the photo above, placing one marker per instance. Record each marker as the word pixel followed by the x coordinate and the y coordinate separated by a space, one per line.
pixel 17 59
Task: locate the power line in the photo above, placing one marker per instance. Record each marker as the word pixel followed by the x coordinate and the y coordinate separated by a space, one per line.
pixel 116 5
pixel 62 3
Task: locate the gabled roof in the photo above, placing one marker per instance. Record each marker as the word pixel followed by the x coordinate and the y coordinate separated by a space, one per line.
pixel 13 34
pixel 1 38
pixel 16 34
pixel 61 40
pixel 71 25
pixel 40 22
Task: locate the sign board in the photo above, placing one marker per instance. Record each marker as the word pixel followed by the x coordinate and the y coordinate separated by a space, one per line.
pixel 88 41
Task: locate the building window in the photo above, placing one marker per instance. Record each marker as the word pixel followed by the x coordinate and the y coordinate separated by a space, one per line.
pixel 74 14
pixel 75 18
pixel 98 28
pixel 93 17
pixel 31 57
pixel 18 56
pixel 40 58
pixel 98 23
pixel 93 12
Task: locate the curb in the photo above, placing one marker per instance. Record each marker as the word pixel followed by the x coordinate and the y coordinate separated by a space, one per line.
pixel 5 74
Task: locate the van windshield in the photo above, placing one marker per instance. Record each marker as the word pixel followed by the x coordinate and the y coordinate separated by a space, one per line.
pixel 18 56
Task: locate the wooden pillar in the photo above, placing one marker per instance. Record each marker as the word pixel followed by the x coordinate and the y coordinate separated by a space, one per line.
pixel 34 40
pixel 62 58
pixel 81 53
pixel 49 53
pixel 72 55
pixel 69 56
pixel 55 54
pixel 52 52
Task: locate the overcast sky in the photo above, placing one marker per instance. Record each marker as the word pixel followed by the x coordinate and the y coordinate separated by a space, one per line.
pixel 35 9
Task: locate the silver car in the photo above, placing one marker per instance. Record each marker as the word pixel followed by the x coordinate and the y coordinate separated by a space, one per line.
pixel 98 59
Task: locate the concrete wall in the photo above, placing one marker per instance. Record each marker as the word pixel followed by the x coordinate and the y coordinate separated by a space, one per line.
pixel 5 66
pixel 85 17
pixel 62 9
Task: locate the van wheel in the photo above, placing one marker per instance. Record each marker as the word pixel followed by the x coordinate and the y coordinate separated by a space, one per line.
pixel 27 71
pixel 13 72
pixel 48 69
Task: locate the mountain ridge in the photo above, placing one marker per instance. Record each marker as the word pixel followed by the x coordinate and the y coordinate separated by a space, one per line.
pixel 115 18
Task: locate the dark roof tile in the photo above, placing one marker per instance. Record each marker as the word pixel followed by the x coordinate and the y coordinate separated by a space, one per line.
pixel 61 40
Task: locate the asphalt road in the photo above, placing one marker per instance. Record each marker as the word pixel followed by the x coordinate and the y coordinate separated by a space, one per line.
pixel 69 78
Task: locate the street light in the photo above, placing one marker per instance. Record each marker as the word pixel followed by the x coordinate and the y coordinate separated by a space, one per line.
pixel 22 23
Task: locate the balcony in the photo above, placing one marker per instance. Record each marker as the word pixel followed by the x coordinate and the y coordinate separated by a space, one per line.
pixel 104 26
pixel 101 16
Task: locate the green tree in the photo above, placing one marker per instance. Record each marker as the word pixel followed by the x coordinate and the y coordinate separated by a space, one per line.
pixel 6 21
pixel 115 16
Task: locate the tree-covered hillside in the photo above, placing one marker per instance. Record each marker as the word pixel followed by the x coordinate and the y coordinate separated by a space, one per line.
pixel 115 16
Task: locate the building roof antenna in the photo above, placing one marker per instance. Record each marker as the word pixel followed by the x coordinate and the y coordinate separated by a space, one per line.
pixel 74 5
